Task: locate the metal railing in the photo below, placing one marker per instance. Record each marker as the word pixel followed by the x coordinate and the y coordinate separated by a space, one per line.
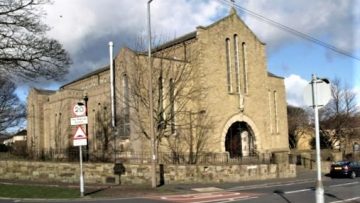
pixel 72 155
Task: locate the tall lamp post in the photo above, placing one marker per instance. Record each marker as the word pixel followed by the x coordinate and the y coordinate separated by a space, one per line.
pixel 317 94
pixel 151 110
pixel 86 99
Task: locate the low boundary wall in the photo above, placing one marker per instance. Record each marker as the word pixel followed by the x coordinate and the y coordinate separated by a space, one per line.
pixel 103 173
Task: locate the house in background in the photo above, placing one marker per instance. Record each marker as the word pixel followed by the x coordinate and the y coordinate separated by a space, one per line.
pixel 15 138
pixel 2 139
pixel 218 73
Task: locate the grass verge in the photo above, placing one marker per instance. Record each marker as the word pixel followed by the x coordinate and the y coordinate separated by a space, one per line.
pixel 28 191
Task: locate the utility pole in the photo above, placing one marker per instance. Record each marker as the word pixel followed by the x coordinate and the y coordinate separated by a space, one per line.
pixel 112 93
pixel 151 110
pixel 319 186
pixel 191 158
pixel 317 94
pixel 86 99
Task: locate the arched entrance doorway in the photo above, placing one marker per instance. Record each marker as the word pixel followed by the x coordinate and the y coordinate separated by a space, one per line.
pixel 239 140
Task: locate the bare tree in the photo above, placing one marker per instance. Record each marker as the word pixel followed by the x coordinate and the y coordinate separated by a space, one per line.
pixel 200 139
pixel 25 51
pixel 298 123
pixel 175 92
pixel 338 116
pixel 103 134
pixel 12 111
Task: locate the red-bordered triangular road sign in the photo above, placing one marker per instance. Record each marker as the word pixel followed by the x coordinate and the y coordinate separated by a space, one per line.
pixel 79 134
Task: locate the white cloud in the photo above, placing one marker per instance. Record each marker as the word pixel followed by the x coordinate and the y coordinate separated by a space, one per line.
pixel 294 86
pixel 76 23
pixel 330 21
pixel 85 27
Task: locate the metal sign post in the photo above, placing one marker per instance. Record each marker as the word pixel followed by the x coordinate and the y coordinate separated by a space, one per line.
pixel 317 94
pixel 319 186
pixel 81 174
pixel 80 138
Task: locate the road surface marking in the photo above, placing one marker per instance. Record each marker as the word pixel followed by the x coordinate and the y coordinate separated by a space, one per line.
pixel 297 191
pixel 239 199
pixel 208 197
pixel 192 196
pixel 207 189
pixel 338 185
pixel 228 200
pixel 309 189
pixel 198 196
pixel 267 185
pixel 346 200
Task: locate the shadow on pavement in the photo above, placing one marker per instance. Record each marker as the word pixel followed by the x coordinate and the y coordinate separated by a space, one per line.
pixel 282 195
pixel 96 191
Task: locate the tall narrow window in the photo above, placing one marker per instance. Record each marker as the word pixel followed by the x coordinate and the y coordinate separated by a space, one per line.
pixel 228 64
pixel 125 120
pixel 270 112
pixel 53 140
pixel 236 59
pixel 276 112
pixel 245 73
pixel 172 105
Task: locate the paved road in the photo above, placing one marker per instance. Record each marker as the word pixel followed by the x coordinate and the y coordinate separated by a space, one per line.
pixel 336 191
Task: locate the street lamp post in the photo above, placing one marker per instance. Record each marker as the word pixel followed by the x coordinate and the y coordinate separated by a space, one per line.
pixel 151 110
pixel 86 99
pixel 317 94
pixel 319 186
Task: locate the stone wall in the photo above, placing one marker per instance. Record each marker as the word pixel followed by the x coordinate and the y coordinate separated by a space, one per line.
pixel 56 172
pixel 102 173
pixel 307 159
pixel 226 173
pixel 311 164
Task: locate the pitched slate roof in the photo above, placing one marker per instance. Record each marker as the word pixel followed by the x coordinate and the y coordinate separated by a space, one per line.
pixel 44 91
pixel 100 70
pixel 275 76
pixel 175 41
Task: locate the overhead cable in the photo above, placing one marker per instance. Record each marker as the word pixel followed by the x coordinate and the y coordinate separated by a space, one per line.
pixel 290 30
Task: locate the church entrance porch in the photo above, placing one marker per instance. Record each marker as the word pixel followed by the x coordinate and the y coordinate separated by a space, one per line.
pixel 239 140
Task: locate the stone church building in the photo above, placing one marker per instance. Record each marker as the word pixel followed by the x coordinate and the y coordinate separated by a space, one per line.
pixel 211 93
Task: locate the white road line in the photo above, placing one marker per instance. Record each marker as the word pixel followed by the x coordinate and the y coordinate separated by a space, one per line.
pixel 305 190
pixel 338 185
pixel 228 200
pixel 267 185
pixel 238 199
pixel 219 200
pixel 346 200
pixel 199 196
pixel 221 197
pixel 297 191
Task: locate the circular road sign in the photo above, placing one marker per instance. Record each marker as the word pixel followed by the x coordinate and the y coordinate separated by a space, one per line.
pixel 323 94
pixel 79 110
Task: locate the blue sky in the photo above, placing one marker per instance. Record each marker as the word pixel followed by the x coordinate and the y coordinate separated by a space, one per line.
pixel 85 27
